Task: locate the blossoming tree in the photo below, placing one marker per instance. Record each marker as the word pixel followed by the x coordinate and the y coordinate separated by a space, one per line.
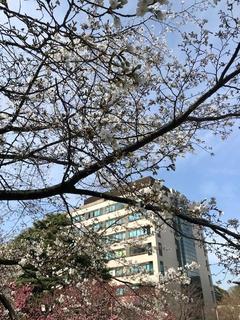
pixel 56 275
pixel 93 96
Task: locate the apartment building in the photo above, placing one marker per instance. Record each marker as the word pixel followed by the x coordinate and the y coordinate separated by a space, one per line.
pixel 139 252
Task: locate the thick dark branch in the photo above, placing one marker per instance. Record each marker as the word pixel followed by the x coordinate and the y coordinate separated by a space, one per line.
pixel 214 118
pixel 26 128
pixel 68 186
pixel 28 158
pixel 234 56
pixel 9 262
pixel 34 194
pixel 7 305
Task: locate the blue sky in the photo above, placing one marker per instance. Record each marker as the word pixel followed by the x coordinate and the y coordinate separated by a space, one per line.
pixel 201 176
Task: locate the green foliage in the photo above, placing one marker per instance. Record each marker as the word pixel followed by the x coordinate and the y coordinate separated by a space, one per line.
pixel 48 228
pixel 54 253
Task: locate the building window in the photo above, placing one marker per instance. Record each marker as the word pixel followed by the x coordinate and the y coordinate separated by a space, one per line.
pixel 78 218
pixel 115 237
pixel 140 249
pixel 112 272
pixel 101 211
pixel 148 267
pixel 119 206
pixel 149 248
pixel 108 209
pixel 120 253
pixel 114 222
pixel 118 236
pixel 135 233
pixel 109 256
pixel 132 270
pixel 119 272
pixel 96 213
pixel 116 254
pixel 162 267
pixel 144 267
pixel 120 291
pixel 97 226
pixel 134 216
pixel 160 249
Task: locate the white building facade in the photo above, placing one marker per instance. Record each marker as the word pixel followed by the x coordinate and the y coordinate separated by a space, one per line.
pixel 139 252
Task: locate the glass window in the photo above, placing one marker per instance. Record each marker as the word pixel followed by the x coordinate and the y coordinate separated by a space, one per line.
pixel 119 236
pixel 134 216
pixel 141 249
pixel 135 269
pixel 144 267
pixel 112 272
pixel 147 230
pixel 162 267
pixel 97 213
pixel 101 211
pixel 115 237
pixel 114 222
pixel 112 208
pixel 119 272
pixel 160 249
pixel 117 254
pixel 134 233
pixel 120 253
pixel 148 267
pixel 105 210
pixel 106 239
pixel 109 255
pixel 135 286
pixel 119 206
pixel 119 221
pixel 120 291
pixel 149 249
pixel 136 250
pixel 109 223
pixel 97 226
pixel 76 218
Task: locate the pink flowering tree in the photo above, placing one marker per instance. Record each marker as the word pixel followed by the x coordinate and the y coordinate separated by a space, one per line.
pixel 86 301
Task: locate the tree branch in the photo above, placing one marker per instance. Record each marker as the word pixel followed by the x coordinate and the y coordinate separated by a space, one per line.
pixel 8 306
pixel 9 262
pixel 234 56
pixel 212 118
pixel 194 220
